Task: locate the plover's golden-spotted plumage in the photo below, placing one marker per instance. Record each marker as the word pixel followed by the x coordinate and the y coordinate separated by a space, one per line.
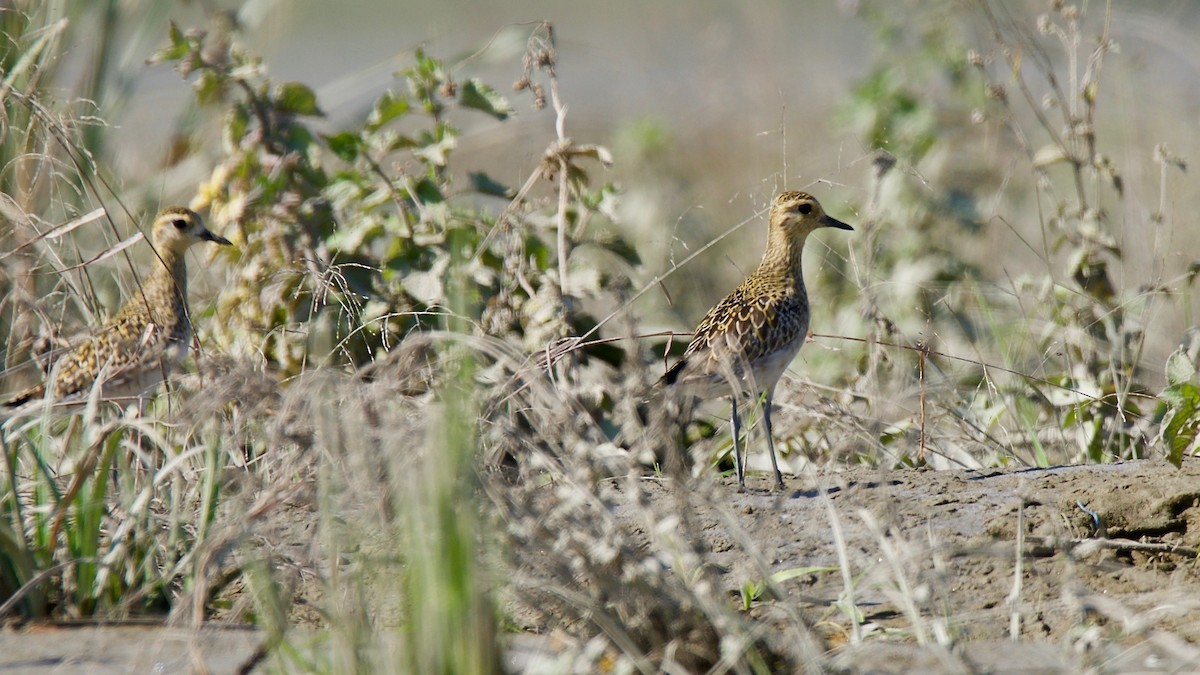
pixel 148 336
pixel 745 343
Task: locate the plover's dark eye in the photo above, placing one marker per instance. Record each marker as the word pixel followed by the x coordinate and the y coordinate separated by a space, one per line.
pixel 805 209
pixel 179 223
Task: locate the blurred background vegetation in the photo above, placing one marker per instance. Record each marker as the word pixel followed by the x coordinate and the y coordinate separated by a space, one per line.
pixel 430 201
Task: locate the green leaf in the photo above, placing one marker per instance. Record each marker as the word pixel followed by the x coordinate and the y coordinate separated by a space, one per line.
pixel 750 592
pixel 389 107
pixel 384 141
pixel 483 183
pixel 352 237
pixel 477 95
pixel 1180 431
pixel 237 122
pixel 177 50
pixel 207 87
pixel 428 286
pixel 621 248
pixel 299 137
pixel 428 192
pixel 895 432
pixel 1172 396
pixel 345 145
pixel 428 66
pixel 297 99
pixel 1180 368
pixel 435 152
pixel 176 36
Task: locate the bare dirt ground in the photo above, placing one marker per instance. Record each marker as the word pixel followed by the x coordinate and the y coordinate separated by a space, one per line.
pixel 940 555
pixel 1092 567
pixel 958 532
pixel 936 559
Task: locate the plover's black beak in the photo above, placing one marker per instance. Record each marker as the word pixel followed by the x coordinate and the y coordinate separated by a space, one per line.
pixel 834 222
pixel 206 235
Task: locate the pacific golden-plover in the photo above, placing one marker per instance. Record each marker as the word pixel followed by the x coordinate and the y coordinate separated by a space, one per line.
pixel 745 343
pixel 149 336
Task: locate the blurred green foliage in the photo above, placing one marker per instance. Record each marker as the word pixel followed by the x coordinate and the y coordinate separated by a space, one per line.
pixel 345 240
pixel 923 106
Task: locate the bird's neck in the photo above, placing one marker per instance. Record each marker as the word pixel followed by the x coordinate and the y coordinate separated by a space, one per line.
pixel 171 266
pixel 783 255
pixel 168 280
